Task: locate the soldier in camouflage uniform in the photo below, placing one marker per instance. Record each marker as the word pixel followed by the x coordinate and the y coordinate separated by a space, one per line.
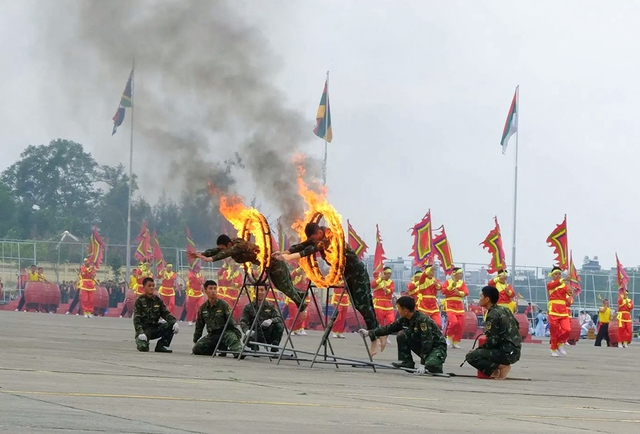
pixel 243 251
pixel 214 314
pixel 355 274
pixel 147 310
pixel 502 348
pixel 417 332
pixel 269 324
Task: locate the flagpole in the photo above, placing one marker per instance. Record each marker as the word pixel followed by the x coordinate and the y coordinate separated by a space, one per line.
pixel 130 182
pixel 324 165
pixel 515 189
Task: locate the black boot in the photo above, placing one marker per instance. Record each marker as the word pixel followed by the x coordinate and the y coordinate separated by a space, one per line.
pixel 405 364
pixel 163 349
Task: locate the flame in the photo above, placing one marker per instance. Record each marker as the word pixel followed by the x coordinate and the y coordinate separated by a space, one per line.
pixel 319 208
pixel 249 223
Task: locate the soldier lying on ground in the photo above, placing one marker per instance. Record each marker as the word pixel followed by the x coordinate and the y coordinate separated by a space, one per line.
pixel 214 314
pixel 502 348
pixel 269 328
pixel 147 310
pixel 417 332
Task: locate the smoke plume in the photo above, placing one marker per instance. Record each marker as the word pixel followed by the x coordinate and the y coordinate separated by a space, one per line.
pixel 203 88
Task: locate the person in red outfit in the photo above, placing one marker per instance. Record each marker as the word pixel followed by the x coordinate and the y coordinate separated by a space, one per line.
pixel 625 331
pixel 424 291
pixel 343 308
pixel 166 291
pixel 454 291
pixel 88 288
pixel 195 296
pixel 383 291
pixel 558 290
pixel 505 290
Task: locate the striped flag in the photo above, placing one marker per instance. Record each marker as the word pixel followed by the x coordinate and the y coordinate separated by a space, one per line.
pixel 511 125
pixel 96 248
pixel 355 242
pixel 125 102
pixel 422 244
pixel 323 118
pixel 443 249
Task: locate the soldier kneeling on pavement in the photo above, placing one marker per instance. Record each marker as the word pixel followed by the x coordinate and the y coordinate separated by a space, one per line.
pixel 502 348
pixel 214 313
pixel 417 332
pixel 269 326
pixel 147 311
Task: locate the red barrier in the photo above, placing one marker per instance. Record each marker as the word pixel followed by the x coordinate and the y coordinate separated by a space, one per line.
pixel 524 325
pixel 470 325
pixel 613 332
pixel 100 300
pixel 574 334
pixel 129 301
pixel 41 295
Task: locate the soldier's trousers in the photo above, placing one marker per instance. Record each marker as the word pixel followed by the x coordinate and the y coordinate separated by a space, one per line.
pixel 163 331
pixel 487 360
pixel 207 344
pixel 271 335
pixel 280 276
pixel 433 361
pixel 359 286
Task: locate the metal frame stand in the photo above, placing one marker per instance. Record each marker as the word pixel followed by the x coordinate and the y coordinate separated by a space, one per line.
pixel 325 342
pixel 255 326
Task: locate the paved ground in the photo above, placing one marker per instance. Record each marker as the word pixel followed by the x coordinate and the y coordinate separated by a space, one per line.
pixel 63 374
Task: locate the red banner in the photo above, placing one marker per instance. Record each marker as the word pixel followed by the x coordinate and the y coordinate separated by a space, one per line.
pixel 355 242
pixel 443 249
pixel 493 243
pixel 378 257
pixel 558 241
pixel 623 278
pixel 422 241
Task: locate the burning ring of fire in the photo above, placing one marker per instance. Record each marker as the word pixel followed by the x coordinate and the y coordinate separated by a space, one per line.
pixel 258 228
pixel 334 253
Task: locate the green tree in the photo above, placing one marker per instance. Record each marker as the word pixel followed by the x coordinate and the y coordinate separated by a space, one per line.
pixel 8 212
pixel 53 186
pixel 112 205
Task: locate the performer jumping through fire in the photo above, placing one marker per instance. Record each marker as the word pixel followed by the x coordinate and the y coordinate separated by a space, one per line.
pixel 243 251
pixel 507 294
pixel 454 291
pixel 559 317
pixel 355 275
pixel 424 291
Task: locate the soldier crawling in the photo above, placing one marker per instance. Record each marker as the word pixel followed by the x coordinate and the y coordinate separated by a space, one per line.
pixel 502 348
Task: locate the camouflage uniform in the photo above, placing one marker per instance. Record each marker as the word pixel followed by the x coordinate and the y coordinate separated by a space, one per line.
pixel 419 334
pixel 146 313
pixel 269 335
pixel 243 251
pixel 503 341
pixel 355 276
pixel 215 316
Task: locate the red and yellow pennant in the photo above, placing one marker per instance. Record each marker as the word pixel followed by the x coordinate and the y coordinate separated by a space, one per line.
pixel 623 277
pixel 284 241
pixel 158 258
pixel 95 249
pixel 493 243
pixel 574 279
pixel 356 242
pixel 422 241
pixel 443 249
pixel 378 257
pixel 144 252
pixel 194 264
pixel 558 241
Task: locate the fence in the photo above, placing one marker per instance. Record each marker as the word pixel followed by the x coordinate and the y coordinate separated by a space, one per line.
pixel 61 260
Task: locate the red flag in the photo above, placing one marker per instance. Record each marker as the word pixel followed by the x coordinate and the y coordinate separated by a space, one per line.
pixel 95 249
pixel 194 264
pixel 574 279
pixel 144 252
pixel 558 241
pixel 623 278
pixel 443 249
pixel 158 258
pixel 493 243
pixel 355 242
pixel 422 241
pixel 378 257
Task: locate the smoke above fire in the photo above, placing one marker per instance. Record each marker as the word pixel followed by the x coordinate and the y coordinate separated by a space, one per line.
pixel 203 89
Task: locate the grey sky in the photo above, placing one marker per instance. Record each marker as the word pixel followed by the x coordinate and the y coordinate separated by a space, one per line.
pixel 419 94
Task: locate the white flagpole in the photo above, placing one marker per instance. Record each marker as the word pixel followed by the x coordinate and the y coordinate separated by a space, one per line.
pixel 515 188
pixel 130 183
pixel 326 129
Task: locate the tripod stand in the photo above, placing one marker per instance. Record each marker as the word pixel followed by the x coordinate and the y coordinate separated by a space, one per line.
pixel 328 326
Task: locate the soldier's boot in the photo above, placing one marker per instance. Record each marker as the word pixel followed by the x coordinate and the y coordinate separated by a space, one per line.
pixel 403 364
pixel 162 349
pixel 143 346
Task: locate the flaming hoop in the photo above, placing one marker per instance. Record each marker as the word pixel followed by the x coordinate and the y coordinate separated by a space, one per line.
pixel 318 209
pixel 252 226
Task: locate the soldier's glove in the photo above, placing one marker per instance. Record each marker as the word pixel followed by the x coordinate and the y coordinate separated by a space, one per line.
pixel 176 329
pixel 363 332
pixel 421 370
pixel 266 322
pixel 142 337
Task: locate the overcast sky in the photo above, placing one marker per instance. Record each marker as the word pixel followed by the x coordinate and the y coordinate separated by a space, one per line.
pixel 419 95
